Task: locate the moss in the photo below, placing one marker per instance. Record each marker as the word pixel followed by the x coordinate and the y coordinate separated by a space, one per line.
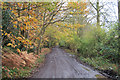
pixel 86 69
pixel 99 76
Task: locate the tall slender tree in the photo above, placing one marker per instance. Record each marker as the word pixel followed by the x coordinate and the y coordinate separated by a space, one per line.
pixel 98 13
pixel 118 31
pixel 97 8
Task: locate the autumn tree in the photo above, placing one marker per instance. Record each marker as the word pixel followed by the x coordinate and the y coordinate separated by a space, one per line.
pixel 21 20
pixel 31 19
pixel 51 12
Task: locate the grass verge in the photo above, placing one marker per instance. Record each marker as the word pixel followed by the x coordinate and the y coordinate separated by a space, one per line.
pixel 98 63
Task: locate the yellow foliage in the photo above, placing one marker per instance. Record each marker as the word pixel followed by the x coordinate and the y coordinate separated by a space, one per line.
pixel 71 12
pixel 30 43
pixel 35 27
pixel 13 42
pixel 66 25
pixel 19 38
pixel 5 33
pixel 19 19
pixel 27 23
pixel 27 27
pixel 8 35
pixel 38 38
pixel 14 26
pixel 31 47
pixel 9 44
pixel 15 46
pixel 18 43
pixel 15 22
pixel 27 40
pixel 18 50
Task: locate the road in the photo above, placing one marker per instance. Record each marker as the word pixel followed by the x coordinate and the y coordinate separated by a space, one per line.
pixel 60 64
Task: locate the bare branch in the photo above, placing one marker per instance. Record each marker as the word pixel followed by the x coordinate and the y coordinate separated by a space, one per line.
pixel 93 6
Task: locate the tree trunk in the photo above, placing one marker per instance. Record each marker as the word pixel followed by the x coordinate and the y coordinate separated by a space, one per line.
pixel 98 14
pixel 118 35
pixel 39 42
pixel 97 8
pixel 27 32
pixel 18 23
pixel 119 19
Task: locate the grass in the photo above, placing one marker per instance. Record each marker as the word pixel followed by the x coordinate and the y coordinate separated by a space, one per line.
pixel 40 60
pixel 16 73
pixel 99 77
pixel 85 68
pixel 100 63
pixel 97 62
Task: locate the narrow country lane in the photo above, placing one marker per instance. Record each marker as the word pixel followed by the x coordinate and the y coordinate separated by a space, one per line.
pixel 61 65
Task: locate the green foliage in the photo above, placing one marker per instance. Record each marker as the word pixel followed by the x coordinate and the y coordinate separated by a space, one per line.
pixel 93 42
pixel 97 47
pixel 15 72
pixel 36 29
pixel 6 25
pixel 100 63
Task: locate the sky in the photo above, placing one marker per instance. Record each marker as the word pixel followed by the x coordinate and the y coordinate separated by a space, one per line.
pixel 110 11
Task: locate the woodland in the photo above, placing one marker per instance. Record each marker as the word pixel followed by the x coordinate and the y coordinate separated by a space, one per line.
pixel 31 29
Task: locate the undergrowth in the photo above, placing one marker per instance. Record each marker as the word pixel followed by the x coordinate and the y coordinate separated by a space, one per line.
pixel 98 62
